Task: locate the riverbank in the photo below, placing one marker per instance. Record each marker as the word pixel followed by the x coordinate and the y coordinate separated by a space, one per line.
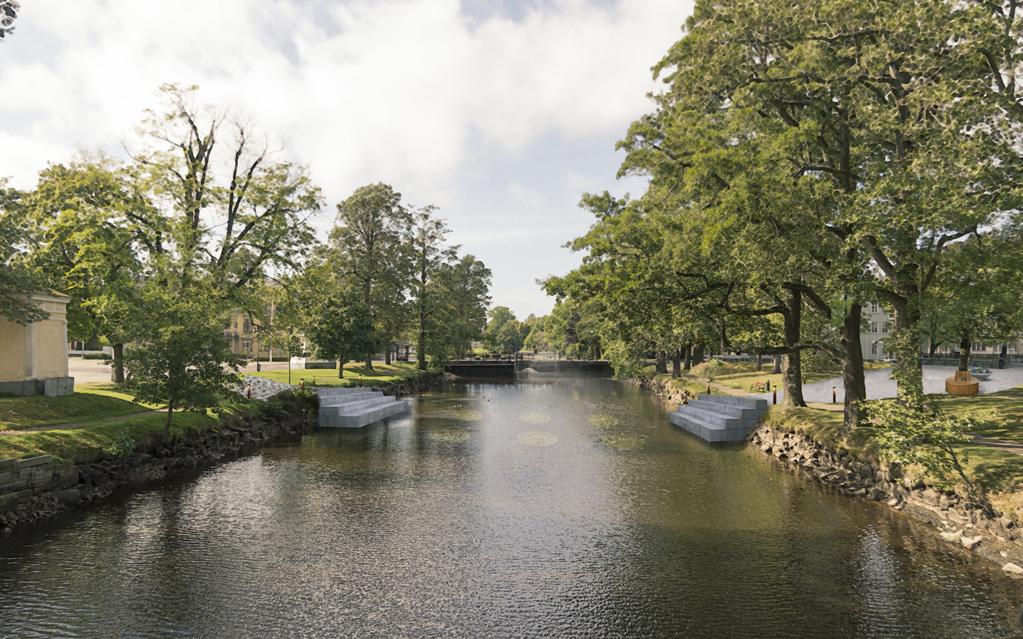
pixel 812 443
pixel 61 453
pixel 42 486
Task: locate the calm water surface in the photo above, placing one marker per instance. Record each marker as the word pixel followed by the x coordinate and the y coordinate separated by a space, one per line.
pixel 564 509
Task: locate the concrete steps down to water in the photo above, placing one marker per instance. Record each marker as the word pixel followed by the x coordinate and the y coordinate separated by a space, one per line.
pixel 356 407
pixel 720 418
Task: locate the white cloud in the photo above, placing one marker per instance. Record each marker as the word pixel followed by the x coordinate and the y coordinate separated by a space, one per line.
pixel 397 90
pixel 418 93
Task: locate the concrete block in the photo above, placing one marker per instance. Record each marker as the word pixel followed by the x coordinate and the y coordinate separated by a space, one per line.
pixel 23 388
pixel 58 386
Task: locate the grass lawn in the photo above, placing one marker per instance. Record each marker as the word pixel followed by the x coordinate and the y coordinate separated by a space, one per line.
pixel 691 385
pixel 88 403
pixel 355 374
pixel 91 442
pixel 998 415
pixel 96 421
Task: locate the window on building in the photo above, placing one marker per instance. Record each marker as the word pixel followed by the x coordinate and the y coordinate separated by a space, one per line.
pixel 873 348
pixel 248 326
pixel 873 327
pixel 873 307
pixel 246 345
pixel 887 327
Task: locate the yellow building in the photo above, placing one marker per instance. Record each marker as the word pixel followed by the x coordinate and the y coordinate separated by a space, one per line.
pixel 33 357
pixel 252 340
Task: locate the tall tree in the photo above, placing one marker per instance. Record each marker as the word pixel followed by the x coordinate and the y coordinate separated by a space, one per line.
pixel 342 328
pixel 429 254
pixel 368 248
pixel 504 333
pixel 459 295
pixel 224 209
pixel 182 359
pixel 87 245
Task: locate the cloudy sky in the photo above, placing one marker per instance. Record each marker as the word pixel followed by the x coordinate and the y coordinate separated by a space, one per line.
pixel 500 112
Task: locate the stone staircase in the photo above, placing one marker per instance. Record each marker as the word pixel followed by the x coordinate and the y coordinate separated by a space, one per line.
pixel 720 418
pixel 355 407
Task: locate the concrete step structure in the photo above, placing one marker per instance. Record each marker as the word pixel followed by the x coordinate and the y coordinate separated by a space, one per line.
pixel 354 407
pixel 337 400
pixel 720 418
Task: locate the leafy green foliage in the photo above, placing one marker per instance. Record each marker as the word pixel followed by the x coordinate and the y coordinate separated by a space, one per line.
pixel 17 281
pixel 920 433
pixel 504 333
pixel 182 359
pixel 459 296
pixel 343 328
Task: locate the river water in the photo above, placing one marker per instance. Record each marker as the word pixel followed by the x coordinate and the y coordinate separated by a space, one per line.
pixel 565 509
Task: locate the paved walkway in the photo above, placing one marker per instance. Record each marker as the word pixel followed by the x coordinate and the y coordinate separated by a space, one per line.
pixel 880 385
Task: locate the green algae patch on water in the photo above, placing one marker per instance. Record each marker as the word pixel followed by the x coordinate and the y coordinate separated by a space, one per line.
pixel 624 442
pixel 535 418
pixel 603 420
pixel 448 436
pixel 537 438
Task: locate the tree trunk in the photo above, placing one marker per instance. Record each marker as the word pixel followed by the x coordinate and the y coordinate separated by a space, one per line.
pixel 907 370
pixel 852 366
pixel 792 369
pixel 340 369
pixel 387 354
pixel 170 416
pixel 1003 356
pixel 698 354
pixel 661 364
pixel 687 352
pixel 421 340
pixel 964 352
pixel 776 369
pixel 369 362
pixel 758 360
pixel 676 363
pixel 933 347
pixel 117 370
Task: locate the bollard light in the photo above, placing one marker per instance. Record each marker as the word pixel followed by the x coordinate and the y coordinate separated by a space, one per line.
pixel 774 396
pixel 834 395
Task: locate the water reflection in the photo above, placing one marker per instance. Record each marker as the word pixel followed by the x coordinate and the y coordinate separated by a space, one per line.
pixel 566 508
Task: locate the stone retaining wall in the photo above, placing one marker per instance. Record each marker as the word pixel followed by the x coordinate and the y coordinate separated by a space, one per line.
pixel 953 519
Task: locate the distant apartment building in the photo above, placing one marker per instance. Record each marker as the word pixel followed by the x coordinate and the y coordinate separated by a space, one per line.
pixel 877 326
pixel 253 341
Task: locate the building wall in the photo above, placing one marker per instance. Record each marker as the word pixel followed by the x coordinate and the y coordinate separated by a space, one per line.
pixel 877 327
pixel 250 341
pixel 38 350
